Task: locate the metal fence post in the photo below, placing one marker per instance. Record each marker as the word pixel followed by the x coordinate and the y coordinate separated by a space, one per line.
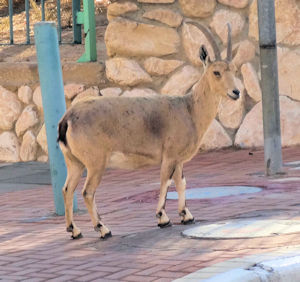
pixel 27 7
pixel 54 104
pixel 11 24
pixel 43 9
pixel 76 26
pixel 87 18
pixel 270 93
pixel 58 20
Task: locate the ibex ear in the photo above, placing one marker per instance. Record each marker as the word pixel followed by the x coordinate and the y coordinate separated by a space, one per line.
pixel 204 57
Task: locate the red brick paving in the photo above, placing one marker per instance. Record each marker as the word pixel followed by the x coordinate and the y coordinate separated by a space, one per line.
pixel 35 247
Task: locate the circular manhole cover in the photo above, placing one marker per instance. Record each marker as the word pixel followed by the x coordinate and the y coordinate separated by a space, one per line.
pixel 244 228
pixel 214 192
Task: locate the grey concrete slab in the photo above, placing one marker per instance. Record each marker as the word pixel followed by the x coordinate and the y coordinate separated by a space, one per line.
pixel 38 177
pixel 22 176
pixel 12 187
pixel 5 164
pixel 14 171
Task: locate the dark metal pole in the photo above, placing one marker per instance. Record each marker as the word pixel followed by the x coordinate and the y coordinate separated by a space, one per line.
pixel 43 10
pixel 270 93
pixel 11 24
pixel 58 21
pixel 76 26
pixel 27 7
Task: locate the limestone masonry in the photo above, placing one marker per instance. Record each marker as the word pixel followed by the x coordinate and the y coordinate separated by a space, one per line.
pixel 152 51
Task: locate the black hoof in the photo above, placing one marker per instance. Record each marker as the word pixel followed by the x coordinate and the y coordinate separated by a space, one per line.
pixel 164 225
pixel 77 237
pixel 190 221
pixel 106 236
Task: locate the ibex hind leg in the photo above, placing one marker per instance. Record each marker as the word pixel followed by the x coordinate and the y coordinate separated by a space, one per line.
pixel 74 172
pixel 94 175
pixel 180 183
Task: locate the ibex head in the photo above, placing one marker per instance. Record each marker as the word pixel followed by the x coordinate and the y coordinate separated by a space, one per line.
pixel 220 73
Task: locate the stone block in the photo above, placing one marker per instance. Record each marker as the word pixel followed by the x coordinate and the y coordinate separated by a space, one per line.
pixel 198 8
pixel 126 72
pixel 165 16
pixel 130 38
pixel 157 66
pixel 180 82
pixel 28 118
pixel 9 147
pixel 10 108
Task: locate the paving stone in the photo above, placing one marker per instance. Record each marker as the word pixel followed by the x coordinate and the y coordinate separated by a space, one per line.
pixel 121 274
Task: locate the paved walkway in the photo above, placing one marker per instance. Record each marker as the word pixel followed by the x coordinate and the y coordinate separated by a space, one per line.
pixel 35 247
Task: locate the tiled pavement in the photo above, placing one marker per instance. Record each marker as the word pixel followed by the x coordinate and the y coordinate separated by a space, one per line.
pixel 35 247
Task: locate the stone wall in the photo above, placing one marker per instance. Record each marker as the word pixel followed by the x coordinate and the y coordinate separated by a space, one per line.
pixel 152 51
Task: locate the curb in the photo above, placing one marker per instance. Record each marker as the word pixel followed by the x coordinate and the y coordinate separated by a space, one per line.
pixel 279 270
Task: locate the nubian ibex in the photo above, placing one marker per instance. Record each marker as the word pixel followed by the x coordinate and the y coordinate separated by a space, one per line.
pixel 135 132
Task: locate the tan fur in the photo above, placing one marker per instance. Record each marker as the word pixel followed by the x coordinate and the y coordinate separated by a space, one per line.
pixel 131 133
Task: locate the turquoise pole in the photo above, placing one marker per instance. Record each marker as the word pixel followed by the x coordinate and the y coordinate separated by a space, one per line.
pixel 54 104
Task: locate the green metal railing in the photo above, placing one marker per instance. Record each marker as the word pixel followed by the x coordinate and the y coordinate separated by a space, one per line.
pixel 76 4
pixel 85 18
pixel 27 10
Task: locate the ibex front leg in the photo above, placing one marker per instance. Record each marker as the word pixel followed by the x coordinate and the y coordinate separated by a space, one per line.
pixel 166 173
pixel 180 183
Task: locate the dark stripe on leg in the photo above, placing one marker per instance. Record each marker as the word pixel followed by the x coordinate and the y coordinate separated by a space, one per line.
pixel 164 206
pixel 70 228
pixel 97 228
pixel 172 173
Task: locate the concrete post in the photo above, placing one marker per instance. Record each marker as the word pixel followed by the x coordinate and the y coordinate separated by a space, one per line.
pixel 54 104
pixel 270 93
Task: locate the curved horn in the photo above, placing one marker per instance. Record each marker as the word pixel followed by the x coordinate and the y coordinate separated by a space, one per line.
pixel 229 44
pixel 209 37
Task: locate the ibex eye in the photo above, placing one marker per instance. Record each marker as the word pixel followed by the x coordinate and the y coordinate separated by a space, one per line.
pixel 217 74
